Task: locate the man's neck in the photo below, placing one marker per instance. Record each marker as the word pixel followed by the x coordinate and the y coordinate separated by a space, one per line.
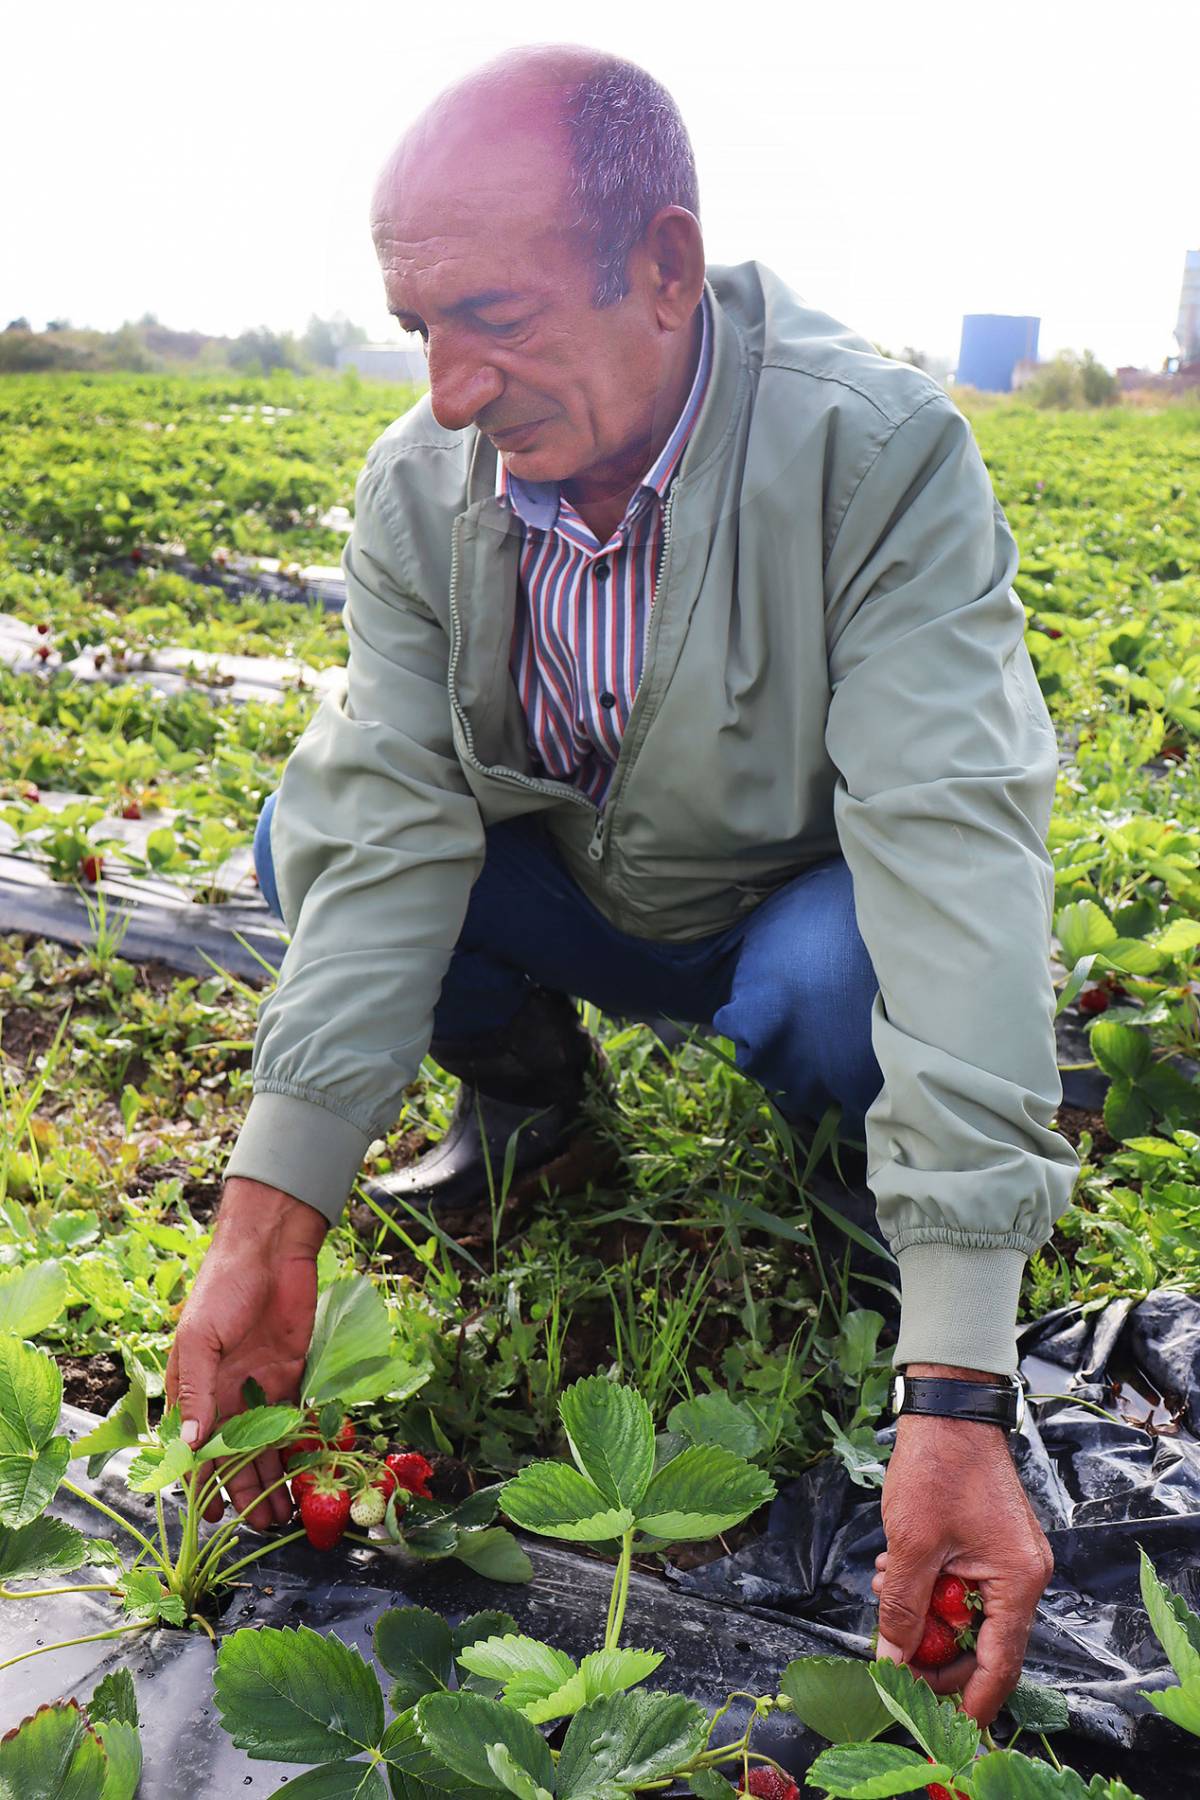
pixel 601 495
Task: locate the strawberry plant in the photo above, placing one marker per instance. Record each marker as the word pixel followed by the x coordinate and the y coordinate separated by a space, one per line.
pixel 74 1752
pixel 178 1571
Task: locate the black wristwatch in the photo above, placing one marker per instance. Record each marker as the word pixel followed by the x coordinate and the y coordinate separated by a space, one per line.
pixel 947 1397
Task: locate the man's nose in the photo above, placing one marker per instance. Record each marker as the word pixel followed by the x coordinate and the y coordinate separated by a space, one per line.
pixel 460 387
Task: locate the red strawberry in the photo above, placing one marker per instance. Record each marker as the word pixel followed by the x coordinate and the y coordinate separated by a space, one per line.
pixel 325 1511
pixel 43 630
pixel 936 1791
pixel 954 1602
pixel 33 794
pixel 1093 1000
pixel 938 1644
pixel 345 1439
pixel 301 1483
pixel 131 810
pixel 407 1469
pixel 135 555
pixel 769 1784
pixel 91 868
pixel 42 653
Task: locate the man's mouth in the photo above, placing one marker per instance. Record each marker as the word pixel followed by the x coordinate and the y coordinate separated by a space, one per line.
pixel 512 433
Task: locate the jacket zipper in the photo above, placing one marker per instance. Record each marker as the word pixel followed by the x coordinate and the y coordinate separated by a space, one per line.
pixel 560 790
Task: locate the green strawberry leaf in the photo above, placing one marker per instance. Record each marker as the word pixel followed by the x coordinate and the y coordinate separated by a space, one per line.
pixel 515 1779
pixel 1122 1051
pixel 1083 929
pixel 53 1754
pixel 459 1729
pixel 703 1491
pixel 1179 1704
pixel 873 1771
pixel 939 1726
pixel 611 1436
pixel 30 1397
pixel 40 1546
pixel 835 1697
pixel 29 1480
pixel 339 1781
pixel 1175 1626
pixel 555 1500
pixel 145 1598
pixel 603 1672
pixel 114 1697
pixel 157 1466
pixel 31 1298
pixel 627 1740
pixel 1036 1708
pixel 416 1648
pixel 123 1752
pixel 495 1554
pixel 527 1669
pixel 716 1419
pixel 297 1695
pixel 351 1329
pixel 259 1429
pixel 415 1772
pixel 125 1424
pixel 708 1784
pixel 480 1625
pixel 1008 1775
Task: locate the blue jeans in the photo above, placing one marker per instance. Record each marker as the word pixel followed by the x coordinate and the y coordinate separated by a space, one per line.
pixel 790 984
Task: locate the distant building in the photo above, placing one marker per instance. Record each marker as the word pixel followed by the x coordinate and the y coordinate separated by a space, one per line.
pixel 385 362
pixel 1024 372
pixel 992 346
pixel 1187 326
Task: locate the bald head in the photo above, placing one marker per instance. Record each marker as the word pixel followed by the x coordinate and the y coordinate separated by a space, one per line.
pixel 554 182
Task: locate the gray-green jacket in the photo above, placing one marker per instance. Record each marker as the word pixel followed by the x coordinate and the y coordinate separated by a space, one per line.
pixel 835 658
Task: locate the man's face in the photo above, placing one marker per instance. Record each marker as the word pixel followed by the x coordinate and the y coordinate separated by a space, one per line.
pixel 469 227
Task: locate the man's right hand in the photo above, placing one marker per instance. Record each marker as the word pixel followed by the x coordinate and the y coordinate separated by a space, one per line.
pixel 250 1313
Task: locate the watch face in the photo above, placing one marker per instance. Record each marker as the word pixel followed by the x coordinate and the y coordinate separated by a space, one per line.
pixel 897 1393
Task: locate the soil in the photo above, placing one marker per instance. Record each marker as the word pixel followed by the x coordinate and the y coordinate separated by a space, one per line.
pixel 202 1196
pixel 93 1382
pixel 28 1032
pixel 1073 1121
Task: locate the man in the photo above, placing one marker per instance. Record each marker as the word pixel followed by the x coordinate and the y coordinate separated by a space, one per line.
pixel 685 676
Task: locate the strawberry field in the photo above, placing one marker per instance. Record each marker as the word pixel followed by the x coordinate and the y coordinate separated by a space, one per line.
pixel 168 621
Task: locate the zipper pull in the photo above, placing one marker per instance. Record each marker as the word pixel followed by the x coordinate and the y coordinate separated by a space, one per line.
pixel 596 844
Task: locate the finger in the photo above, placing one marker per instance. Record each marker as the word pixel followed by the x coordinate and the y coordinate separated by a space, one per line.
pixel 999 1654
pixel 877 1583
pixel 192 1381
pixel 951 1678
pixel 904 1603
pixel 244 1488
pixel 881 1560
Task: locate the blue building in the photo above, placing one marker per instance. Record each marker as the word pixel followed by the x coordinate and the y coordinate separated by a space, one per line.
pixel 992 346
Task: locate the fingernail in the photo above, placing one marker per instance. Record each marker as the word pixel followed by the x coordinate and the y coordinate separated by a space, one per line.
pixel 189 1431
pixel 888 1652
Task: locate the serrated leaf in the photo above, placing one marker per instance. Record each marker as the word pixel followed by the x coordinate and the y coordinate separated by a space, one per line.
pixel 495 1554
pixel 703 1491
pixel 351 1328
pixel 555 1500
pixel 477 1626
pixel 158 1465
pixel 1127 1112
pixel 708 1784
pixel 297 1695
pixel 941 1729
pixel 1174 1624
pixel 459 1729
pixel 123 1752
pixel 1008 1775
pixel 114 1697
pixel 259 1429
pixel 1132 956
pixel 31 1298
pixel 126 1422
pixel 527 1668
pixel 716 1419
pixel 1120 1050
pixel 415 1647
pixel 30 1397
pixel 873 1771
pixel 1036 1708
pixel 836 1697
pixel 415 1772
pixel 856 1346
pixel 1082 928
pixel 1179 1704
pixel 52 1755
pixel 1178 938
pixel 611 1436
pixel 338 1781
pixel 41 1546
pixel 29 1482
pixel 146 1599
pixel 628 1740
pixel 603 1672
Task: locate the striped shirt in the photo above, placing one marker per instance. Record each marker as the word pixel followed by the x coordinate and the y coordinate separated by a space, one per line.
pixel 583 609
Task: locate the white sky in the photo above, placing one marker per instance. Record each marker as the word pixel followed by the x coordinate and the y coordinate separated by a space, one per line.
pixel 898 165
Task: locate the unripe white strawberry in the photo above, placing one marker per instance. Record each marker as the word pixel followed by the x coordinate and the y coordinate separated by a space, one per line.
pixel 368 1507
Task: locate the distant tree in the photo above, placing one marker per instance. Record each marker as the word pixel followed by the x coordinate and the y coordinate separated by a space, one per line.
pixel 1100 386
pixel 1072 382
pixel 21 324
pixel 148 318
pixel 325 337
pixel 265 350
pixel 58 324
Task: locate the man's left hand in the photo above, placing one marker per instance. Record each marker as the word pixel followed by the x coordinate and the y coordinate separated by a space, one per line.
pixel 953 1504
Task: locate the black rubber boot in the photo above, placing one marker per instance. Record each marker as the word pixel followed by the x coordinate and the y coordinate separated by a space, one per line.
pixel 531 1078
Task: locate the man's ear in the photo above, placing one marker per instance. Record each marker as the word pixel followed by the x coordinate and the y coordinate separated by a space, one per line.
pixel 672 251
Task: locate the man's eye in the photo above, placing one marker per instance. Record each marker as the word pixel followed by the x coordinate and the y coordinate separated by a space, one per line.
pixel 507 329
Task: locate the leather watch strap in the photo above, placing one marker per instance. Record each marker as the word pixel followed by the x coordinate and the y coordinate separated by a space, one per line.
pixel 949 1398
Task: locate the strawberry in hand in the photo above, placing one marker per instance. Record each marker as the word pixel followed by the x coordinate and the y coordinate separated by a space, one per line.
pixel 325 1511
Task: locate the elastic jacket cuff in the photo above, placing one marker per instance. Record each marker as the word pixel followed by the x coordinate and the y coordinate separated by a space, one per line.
pixel 302 1148
pixel 959 1305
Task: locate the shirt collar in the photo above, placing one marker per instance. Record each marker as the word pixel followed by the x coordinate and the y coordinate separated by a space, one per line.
pixel 537 503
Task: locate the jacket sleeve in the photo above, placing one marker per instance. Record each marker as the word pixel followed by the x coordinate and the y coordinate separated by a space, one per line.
pixel 376 841
pixel 946 762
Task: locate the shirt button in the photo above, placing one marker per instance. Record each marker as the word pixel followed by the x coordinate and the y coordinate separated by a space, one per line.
pixel 608 700
pixel 601 571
